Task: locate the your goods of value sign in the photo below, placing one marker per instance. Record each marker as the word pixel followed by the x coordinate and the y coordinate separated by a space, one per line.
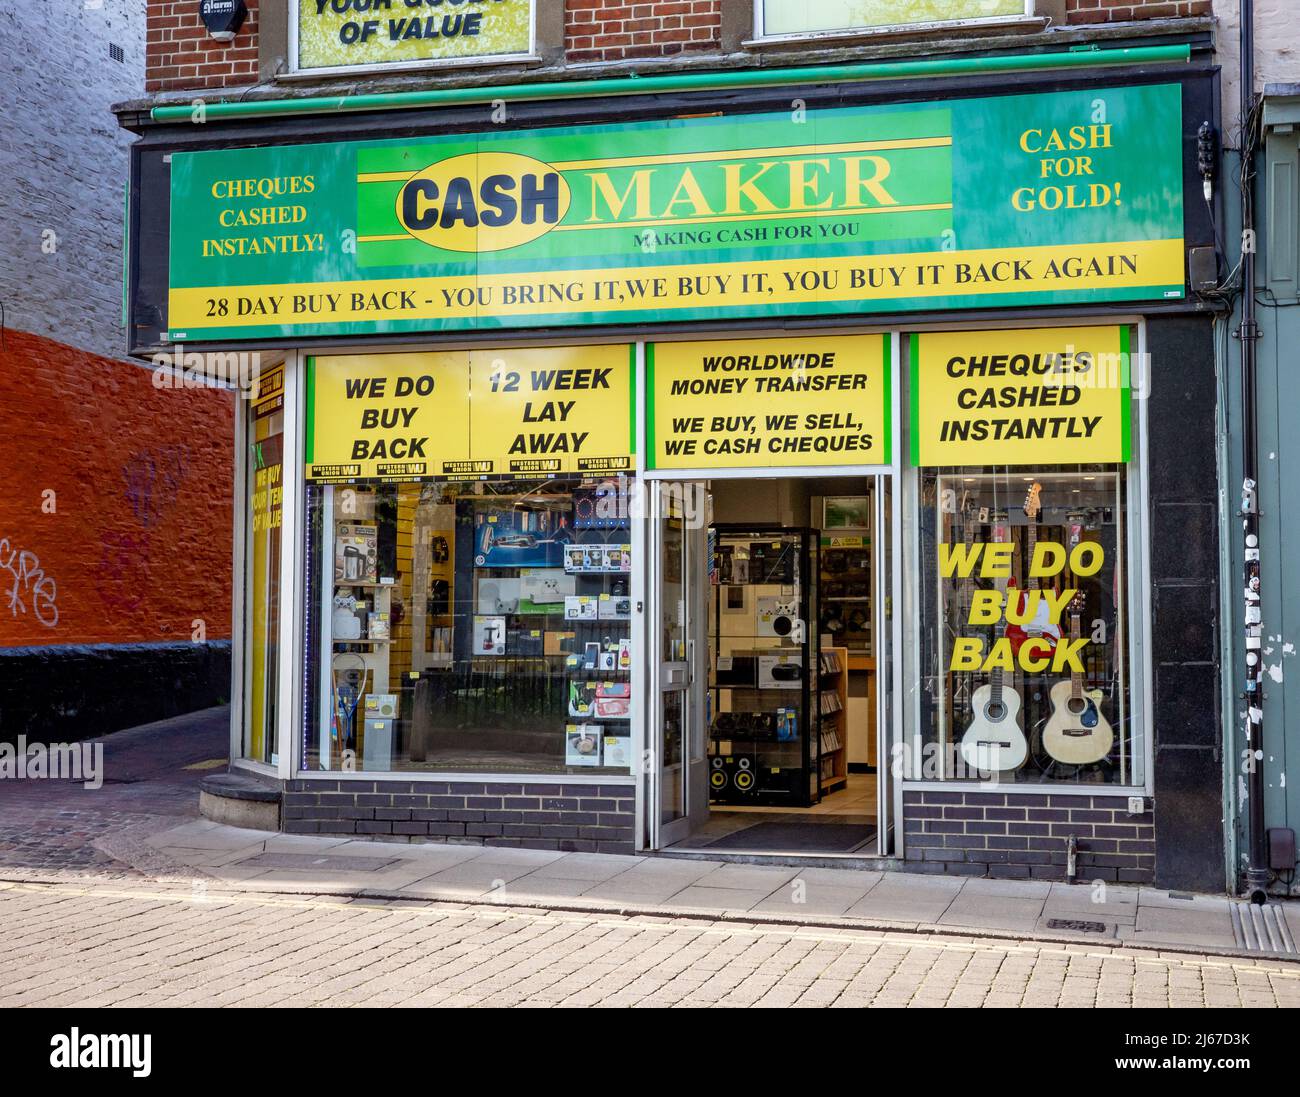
pixel 470 413
pixel 333 33
pixel 1041 199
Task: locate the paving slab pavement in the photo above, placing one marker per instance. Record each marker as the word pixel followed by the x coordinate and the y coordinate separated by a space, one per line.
pixel 1106 916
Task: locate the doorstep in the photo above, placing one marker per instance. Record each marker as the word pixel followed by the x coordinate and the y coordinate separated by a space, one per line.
pixel 746 888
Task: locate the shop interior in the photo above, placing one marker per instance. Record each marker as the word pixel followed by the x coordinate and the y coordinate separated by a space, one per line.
pixel 792 687
pixel 473 627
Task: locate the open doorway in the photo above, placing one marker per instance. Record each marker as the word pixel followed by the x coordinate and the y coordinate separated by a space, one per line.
pixel 792 667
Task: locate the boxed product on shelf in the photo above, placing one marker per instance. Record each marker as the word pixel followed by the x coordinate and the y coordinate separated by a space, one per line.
pixel 520 539
pixel 613 700
pixel 582 744
pixel 356 553
pixel 379 626
pixel 489 635
pixel 558 643
pixel 498 596
pixel 582 697
pixel 614 607
pixel 618 751
pixel 780 671
pixel 543 589
pixel 581 607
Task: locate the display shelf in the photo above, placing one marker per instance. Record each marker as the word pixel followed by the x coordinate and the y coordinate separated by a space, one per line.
pixel 764 740
pixel 834 738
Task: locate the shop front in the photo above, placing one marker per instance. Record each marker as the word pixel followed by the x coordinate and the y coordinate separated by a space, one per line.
pixel 716 475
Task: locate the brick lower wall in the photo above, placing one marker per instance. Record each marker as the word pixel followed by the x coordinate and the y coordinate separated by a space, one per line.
pixel 569 818
pixel 1121 11
pixel 1024 836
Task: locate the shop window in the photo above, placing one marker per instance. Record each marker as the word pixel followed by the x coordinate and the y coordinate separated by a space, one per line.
pixel 262 550
pixel 780 18
pixel 1025 624
pixel 482 625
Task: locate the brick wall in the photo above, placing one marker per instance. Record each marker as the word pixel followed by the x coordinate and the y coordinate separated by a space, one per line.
pixel 120 493
pixel 588 818
pixel 1024 836
pixel 612 30
pixel 180 53
pixel 1119 11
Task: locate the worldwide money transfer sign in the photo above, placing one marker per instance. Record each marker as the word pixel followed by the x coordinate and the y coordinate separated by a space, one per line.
pixel 1042 199
pixel 769 403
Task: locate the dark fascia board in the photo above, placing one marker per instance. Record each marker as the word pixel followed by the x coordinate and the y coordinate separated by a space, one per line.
pixel 134 114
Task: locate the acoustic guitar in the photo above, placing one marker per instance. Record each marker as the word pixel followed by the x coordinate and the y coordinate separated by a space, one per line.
pixel 1077 734
pixel 995 740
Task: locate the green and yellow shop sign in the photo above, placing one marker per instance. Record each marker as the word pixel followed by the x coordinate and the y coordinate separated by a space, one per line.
pixel 1035 199
pixel 338 33
pixel 521 412
pixel 813 402
pixel 1035 397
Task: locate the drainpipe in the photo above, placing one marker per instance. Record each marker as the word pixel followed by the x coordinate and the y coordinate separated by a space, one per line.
pixel 1257 871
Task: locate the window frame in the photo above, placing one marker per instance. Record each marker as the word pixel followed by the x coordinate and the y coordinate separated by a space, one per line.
pixel 762 37
pixel 1138 595
pixel 295 71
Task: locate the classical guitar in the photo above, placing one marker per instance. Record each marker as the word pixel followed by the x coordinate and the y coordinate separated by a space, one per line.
pixel 1077 734
pixel 1040 627
pixel 995 740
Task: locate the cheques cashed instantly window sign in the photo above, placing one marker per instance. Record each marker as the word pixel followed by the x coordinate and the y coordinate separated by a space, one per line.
pixel 338 33
pixel 1050 396
pixel 769 403
pixel 470 413
pixel 1041 199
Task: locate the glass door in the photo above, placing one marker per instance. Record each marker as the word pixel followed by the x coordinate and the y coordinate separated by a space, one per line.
pixel 679 798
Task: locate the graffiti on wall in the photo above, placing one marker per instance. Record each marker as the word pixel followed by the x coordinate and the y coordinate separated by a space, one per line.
pixel 153 476
pixel 30 589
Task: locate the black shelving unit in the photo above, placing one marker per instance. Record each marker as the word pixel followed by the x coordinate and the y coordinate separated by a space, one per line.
pixel 764 727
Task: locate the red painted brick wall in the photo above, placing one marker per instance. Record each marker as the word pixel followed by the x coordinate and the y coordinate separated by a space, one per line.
pixel 180 54
pixel 610 30
pixel 1118 11
pixel 138 544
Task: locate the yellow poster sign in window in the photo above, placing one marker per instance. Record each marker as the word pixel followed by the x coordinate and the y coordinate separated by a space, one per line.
pixel 1055 396
pixel 338 33
pixel 769 403
pixel 522 411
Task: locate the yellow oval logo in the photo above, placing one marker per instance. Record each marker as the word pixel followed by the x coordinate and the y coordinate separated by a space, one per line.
pixel 483 201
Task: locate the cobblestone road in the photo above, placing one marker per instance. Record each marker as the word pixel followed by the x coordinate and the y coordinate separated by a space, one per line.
pixel 111 943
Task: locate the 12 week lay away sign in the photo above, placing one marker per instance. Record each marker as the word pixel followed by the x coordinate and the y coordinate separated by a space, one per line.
pixel 525 410
pixel 1026 397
